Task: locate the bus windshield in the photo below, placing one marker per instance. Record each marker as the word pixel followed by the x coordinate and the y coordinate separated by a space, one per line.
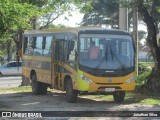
pixel 106 52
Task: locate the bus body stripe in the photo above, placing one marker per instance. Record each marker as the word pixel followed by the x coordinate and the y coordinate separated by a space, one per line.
pixel 37 64
pixel 46 65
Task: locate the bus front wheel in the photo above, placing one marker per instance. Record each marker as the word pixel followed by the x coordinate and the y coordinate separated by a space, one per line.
pixel 71 94
pixel 38 87
pixel 119 96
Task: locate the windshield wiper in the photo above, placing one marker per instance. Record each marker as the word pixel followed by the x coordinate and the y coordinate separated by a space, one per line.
pixel 100 63
pixel 113 54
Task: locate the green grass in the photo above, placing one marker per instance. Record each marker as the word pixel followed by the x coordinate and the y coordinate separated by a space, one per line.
pixel 143 98
pixel 151 101
pixel 16 89
pixel 132 97
pixel 107 97
pixel 147 64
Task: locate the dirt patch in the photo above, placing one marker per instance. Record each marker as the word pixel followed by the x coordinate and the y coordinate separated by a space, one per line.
pixel 56 101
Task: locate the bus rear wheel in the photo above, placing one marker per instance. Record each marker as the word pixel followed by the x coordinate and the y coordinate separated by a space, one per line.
pixel 119 96
pixel 71 94
pixel 38 87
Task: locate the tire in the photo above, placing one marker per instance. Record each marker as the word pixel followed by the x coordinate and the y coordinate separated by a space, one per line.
pixel 43 88
pixel 71 94
pixel 38 87
pixel 0 74
pixel 119 96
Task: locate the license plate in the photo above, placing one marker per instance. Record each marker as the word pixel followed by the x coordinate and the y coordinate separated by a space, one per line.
pixel 109 89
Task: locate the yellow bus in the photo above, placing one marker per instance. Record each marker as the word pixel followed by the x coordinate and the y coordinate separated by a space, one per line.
pixel 60 59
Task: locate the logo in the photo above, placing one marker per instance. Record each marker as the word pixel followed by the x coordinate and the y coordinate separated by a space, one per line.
pixel 110 80
pixel 6 114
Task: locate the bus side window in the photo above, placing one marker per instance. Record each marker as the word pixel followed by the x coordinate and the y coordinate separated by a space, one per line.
pixel 70 48
pixel 29 46
pixel 47 45
pixel 65 49
pixel 37 44
pixel 72 51
pixel 71 45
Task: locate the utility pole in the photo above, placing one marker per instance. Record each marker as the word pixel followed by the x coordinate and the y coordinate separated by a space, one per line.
pixel 123 17
pixel 135 31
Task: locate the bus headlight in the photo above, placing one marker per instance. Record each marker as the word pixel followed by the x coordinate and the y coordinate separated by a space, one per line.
pixel 86 79
pixel 130 79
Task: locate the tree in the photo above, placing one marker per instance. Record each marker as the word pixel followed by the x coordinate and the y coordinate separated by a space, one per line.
pixel 14 16
pixel 100 12
pixel 53 11
pixel 149 10
pixel 104 12
pixel 19 15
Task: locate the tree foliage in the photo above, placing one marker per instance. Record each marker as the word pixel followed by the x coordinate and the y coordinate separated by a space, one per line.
pixel 100 12
pixel 15 15
pixel 53 10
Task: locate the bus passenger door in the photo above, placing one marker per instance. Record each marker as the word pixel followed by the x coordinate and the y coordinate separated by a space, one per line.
pixel 57 58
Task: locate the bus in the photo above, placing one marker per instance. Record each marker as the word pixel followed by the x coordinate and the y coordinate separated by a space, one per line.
pixel 59 58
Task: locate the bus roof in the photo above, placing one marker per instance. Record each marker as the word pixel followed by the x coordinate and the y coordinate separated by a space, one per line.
pixel 76 30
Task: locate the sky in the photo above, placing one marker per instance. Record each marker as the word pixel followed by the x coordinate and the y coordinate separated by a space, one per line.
pixel 72 21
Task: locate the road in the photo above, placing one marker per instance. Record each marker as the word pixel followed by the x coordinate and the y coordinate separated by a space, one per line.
pixel 10 81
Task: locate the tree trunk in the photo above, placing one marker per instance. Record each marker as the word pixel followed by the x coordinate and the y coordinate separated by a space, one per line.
pixel 18 40
pixel 9 50
pixel 34 23
pixel 153 82
pixel 2 60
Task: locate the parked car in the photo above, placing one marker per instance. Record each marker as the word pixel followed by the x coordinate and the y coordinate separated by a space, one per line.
pixel 11 68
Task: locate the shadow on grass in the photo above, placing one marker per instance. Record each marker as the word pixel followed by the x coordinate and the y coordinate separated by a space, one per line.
pixel 139 97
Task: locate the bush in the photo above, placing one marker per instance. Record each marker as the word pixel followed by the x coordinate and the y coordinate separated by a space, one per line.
pixel 143 76
pixel 141 68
